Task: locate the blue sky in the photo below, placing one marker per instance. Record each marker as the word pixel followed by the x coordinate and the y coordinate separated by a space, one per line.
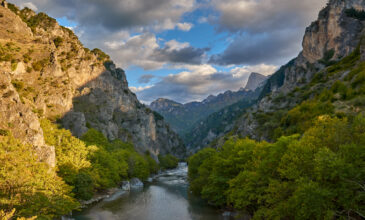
pixel 186 50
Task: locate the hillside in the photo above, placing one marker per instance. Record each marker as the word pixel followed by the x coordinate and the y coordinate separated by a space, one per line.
pixel 207 130
pixel 47 72
pixel 332 57
pixel 69 125
pixel 299 152
pixel 183 117
pixel 294 94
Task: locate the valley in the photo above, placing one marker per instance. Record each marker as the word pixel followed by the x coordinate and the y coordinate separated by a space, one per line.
pixel 286 145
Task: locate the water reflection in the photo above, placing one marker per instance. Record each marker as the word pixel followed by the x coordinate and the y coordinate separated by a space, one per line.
pixel 166 198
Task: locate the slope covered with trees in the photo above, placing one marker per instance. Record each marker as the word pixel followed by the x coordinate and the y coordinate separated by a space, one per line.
pixel 298 153
pixel 318 175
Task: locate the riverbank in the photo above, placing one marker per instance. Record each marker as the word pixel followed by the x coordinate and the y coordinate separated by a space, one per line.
pixel 166 197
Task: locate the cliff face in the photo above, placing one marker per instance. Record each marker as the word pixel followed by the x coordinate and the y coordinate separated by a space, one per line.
pixel 46 72
pixel 255 80
pixel 334 35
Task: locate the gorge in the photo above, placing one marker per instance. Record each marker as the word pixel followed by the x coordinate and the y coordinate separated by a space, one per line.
pixel 290 145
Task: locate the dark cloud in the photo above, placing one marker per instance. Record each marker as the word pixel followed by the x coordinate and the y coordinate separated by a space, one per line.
pixel 186 55
pixel 251 49
pixel 145 78
pixel 115 14
pixel 267 31
pixel 265 15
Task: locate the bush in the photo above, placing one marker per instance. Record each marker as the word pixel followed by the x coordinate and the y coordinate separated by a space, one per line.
pixel 58 41
pixel 100 54
pixel 353 13
pixel 18 85
pixel 168 161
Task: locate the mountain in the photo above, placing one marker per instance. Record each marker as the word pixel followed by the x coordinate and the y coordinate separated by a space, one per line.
pixel 255 80
pixel 47 73
pixel 303 142
pixel 211 128
pixel 329 41
pixel 182 117
pixel 331 49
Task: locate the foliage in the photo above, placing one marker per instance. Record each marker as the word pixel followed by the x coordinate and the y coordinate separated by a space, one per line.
pixel 317 176
pixel 72 158
pixel 18 85
pixel 58 41
pixel 40 20
pixel 157 116
pixel 168 161
pixel 328 55
pixel 29 185
pixel 353 13
pixel 216 122
pixel 39 65
pixel 10 215
pixel 94 163
pixel 100 54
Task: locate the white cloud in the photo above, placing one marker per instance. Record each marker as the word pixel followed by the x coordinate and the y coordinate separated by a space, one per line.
pixel 199 81
pixel 29 5
pixel 184 26
pixel 239 72
pixel 139 89
pixel 266 15
pixel 115 15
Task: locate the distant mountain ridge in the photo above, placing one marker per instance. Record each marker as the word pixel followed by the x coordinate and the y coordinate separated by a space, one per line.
pixel 182 117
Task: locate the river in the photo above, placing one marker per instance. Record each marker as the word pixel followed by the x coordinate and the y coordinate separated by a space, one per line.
pixel 165 198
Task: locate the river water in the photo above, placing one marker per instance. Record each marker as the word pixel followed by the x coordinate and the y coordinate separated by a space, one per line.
pixel 166 198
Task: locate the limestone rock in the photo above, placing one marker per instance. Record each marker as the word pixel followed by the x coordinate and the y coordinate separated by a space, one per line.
pixel 56 77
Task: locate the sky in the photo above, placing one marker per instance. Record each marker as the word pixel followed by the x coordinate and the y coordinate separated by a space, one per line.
pixel 186 50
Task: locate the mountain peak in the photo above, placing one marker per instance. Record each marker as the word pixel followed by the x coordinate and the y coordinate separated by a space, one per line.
pixel 254 81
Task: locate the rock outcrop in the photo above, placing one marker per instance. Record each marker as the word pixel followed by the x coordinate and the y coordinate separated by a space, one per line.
pixel 254 81
pixel 335 34
pixel 46 72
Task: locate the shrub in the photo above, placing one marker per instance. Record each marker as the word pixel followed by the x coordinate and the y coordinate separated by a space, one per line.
pixel 353 13
pixel 58 41
pixel 100 54
pixel 18 85
pixel 168 161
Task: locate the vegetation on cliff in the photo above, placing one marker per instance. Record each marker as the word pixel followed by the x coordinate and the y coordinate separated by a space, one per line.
pixel 313 169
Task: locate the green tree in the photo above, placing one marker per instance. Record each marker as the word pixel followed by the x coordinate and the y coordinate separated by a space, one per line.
pixel 29 185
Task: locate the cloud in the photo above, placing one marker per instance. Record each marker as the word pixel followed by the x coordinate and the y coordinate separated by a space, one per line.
pixel 175 52
pixel 184 26
pixel 116 14
pixel 29 5
pixel 263 31
pixel 144 50
pixel 145 78
pixel 197 82
pixel 251 49
pixel 139 89
pixel 265 15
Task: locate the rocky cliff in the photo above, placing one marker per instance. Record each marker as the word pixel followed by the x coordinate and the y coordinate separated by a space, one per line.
pixel 46 72
pixel 334 35
pixel 254 81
